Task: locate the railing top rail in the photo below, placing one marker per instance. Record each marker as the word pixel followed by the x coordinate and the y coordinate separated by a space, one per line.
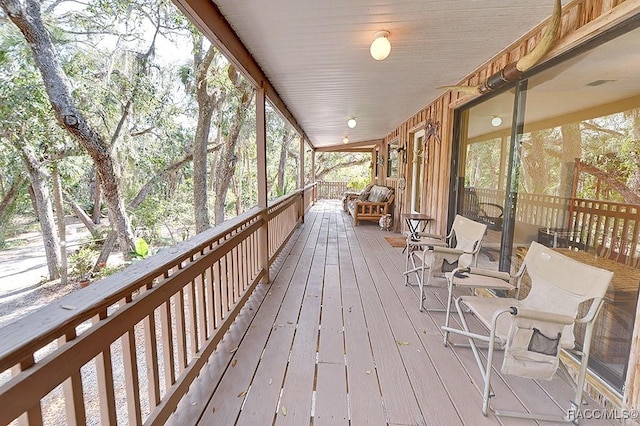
pixel 41 327
pixel 284 198
pixel 45 324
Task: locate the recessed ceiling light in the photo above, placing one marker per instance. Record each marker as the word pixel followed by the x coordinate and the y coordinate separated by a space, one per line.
pixel 352 123
pixel 496 121
pixel 345 139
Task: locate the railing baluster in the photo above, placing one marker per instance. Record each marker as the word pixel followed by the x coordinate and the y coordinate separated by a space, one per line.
pixel 131 378
pixel 104 374
pixel 181 331
pixel 235 256
pixel 192 324
pixel 218 294
pixel 33 417
pixel 201 310
pixel 167 344
pixel 72 388
pixel 209 296
pixel 151 357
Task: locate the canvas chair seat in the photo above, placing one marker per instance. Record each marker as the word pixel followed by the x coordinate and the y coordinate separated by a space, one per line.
pixel 535 329
pixel 435 255
pixel 473 278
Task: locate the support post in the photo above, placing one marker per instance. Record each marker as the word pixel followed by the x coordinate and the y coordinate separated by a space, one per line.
pixel 313 175
pixel 301 179
pixel 261 141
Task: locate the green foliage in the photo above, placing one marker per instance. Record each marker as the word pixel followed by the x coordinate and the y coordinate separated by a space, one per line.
pixel 107 270
pixel 141 249
pixel 81 263
pixel 358 183
pixel 343 167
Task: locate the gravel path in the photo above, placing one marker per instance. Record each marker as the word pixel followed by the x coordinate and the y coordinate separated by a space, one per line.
pixel 24 289
pixel 23 273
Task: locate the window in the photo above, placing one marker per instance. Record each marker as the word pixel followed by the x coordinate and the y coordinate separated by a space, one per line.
pixel 568 178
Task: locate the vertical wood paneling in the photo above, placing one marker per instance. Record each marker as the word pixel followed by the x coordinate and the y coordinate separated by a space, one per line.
pixel 575 15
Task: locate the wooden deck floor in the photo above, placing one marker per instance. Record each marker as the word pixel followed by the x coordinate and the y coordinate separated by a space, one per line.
pixel 337 339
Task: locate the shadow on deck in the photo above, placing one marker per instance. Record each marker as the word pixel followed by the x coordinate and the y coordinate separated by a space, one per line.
pixel 337 338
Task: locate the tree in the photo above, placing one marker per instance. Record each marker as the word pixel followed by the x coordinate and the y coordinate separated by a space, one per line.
pixel 26 15
pixel 209 97
pixel 242 95
pixel 328 163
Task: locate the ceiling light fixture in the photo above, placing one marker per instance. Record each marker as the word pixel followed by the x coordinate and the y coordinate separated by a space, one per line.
pixel 496 121
pixel 380 47
pixel 345 139
pixel 351 123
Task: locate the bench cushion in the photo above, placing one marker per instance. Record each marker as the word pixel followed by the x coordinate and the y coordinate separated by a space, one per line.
pixel 379 194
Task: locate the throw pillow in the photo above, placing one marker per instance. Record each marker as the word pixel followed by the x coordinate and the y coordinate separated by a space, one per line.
pixel 364 196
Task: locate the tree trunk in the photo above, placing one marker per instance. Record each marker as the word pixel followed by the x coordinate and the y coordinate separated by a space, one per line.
pixel 207 103
pixel 81 214
pixel 44 209
pixel 97 202
pixel 282 161
pixel 627 193
pixel 62 231
pixel 10 197
pixel 227 159
pixel 571 149
pixel 200 193
pixel 26 16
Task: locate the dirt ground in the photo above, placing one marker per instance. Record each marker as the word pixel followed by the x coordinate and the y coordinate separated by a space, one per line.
pixel 23 273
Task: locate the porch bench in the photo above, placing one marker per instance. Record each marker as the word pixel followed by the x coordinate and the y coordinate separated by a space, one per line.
pixel 371 205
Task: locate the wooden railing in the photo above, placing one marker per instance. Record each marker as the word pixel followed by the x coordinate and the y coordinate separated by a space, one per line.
pixel 332 190
pixel 612 229
pixel 125 349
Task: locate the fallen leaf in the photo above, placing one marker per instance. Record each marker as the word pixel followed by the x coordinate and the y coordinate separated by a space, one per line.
pixel 233 350
pixel 289 322
pixel 401 343
pixel 233 363
pixel 213 410
pixel 241 394
pixel 270 380
pixel 284 410
pixel 368 371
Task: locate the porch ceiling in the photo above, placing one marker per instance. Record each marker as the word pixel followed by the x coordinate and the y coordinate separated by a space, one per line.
pixel 316 54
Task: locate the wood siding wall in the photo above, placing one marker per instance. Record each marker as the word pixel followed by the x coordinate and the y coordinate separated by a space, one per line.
pixel 582 20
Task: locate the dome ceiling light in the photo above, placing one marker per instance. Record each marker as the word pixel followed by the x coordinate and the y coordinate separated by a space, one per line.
pixel 380 47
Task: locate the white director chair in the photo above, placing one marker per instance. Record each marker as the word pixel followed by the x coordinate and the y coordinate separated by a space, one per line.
pixel 534 330
pixel 435 255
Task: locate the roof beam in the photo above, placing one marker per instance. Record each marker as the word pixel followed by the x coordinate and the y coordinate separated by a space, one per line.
pixel 206 15
pixel 363 146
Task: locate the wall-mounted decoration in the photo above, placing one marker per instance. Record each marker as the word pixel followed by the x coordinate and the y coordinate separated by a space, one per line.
pixel 392 159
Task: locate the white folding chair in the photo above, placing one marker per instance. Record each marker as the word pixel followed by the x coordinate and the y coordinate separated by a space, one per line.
pixel 475 278
pixel 533 330
pixel 438 255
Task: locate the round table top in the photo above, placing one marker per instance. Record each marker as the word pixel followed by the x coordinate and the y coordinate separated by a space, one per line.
pixel 416 216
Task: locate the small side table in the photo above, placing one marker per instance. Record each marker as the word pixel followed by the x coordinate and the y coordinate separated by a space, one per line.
pixel 416 222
